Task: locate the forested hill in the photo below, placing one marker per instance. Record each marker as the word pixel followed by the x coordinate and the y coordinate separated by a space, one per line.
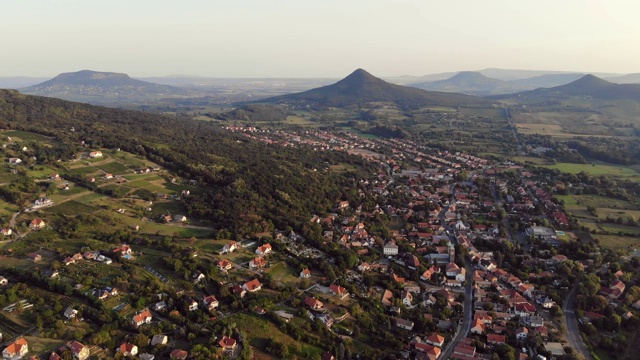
pixel 361 87
pixel 252 183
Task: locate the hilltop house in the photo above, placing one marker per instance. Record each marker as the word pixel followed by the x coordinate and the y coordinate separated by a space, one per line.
pixel 313 303
pixel 227 343
pixel 257 263
pixel 70 312
pixel 252 286
pixel 224 265
pixel 143 317
pixel 16 349
pixel 79 350
pixel 264 249
pixel 95 154
pixel 230 247
pixel 210 302
pixel 338 290
pixel 159 340
pixel 37 224
pixel 127 349
pixel 305 274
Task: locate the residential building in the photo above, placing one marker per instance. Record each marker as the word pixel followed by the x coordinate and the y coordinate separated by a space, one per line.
pixel 15 349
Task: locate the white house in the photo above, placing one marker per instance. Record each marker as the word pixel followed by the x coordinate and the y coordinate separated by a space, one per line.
pixel 264 249
pixel 390 249
pixel 305 274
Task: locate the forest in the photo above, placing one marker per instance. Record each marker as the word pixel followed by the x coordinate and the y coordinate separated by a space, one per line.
pixel 254 186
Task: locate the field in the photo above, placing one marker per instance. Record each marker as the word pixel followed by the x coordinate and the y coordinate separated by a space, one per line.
pixel 610 234
pixel 283 273
pixel 259 330
pixel 596 169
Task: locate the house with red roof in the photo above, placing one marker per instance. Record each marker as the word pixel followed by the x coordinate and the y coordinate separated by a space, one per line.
pixel 338 290
pixel 227 343
pixel 435 340
pixel 37 224
pixel 477 327
pixel 496 339
pixel 264 249
pixel 143 317
pixel 313 303
pixel 178 354
pixel 305 274
pixel 79 351
pixel 258 262
pixel 210 302
pixel 17 348
pixel 128 349
pixel 252 286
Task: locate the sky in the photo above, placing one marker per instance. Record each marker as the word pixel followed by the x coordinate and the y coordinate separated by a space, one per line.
pixel 316 38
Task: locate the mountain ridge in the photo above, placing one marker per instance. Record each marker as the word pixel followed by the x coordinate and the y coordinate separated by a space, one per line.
pixel 101 88
pixel 588 85
pixel 362 87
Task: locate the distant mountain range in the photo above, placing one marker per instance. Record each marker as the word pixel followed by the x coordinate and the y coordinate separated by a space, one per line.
pixel 103 88
pixel 361 87
pixel 587 86
pixel 476 83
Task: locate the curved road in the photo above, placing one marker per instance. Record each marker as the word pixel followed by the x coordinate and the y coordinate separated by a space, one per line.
pixel 571 324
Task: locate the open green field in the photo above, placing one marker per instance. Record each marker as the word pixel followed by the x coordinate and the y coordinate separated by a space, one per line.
pixel 41 171
pixel 259 330
pixel 283 273
pixel 609 170
pixel 616 242
pixel 71 208
pixel 114 167
pixel 26 136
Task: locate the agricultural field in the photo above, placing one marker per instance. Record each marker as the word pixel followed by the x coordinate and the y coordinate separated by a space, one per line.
pixel 623 172
pixel 259 330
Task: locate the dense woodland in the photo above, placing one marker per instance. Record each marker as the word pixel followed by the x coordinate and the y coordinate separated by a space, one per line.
pixel 255 186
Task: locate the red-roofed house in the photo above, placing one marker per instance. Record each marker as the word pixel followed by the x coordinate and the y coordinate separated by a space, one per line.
pixel 477 327
pixel 37 224
pixel 78 350
pixel 178 354
pixel 313 303
pixel 264 249
pixel 144 317
pixel 252 286
pixel 210 302
pixel 496 339
pixel 16 348
pixel 435 340
pixel 128 349
pixel 305 274
pixel 338 290
pixel 227 343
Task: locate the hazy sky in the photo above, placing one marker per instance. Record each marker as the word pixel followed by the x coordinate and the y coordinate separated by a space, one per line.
pixel 316 38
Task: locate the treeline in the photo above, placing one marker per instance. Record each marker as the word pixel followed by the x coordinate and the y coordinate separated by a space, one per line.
pixel 609 150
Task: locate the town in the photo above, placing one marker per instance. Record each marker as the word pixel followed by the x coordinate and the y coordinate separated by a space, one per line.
pixel 434 254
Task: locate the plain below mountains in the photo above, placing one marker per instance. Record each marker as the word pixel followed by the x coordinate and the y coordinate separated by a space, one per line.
pixel 360 87
pixel 104 88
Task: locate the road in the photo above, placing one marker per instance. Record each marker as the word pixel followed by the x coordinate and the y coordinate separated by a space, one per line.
pixel 12 223
pixel 571 324
pixel 467 317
